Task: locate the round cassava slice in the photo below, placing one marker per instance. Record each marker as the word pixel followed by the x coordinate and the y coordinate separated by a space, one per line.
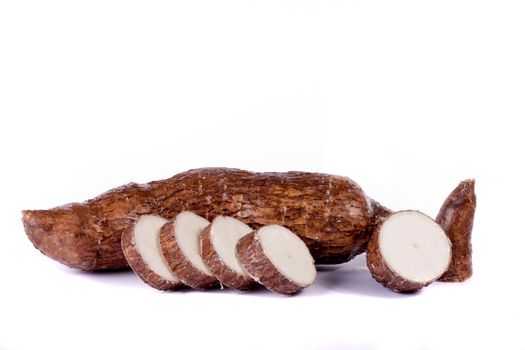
pixel 218 243
pixel 141 247
pixel 408 251
pixel 277 258
pixel 180 244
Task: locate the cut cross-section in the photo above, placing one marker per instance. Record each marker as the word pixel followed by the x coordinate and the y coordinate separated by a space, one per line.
pixel 408 251
pixel 218 243
pixel 141 247
pixel 180 243
pixel 277 258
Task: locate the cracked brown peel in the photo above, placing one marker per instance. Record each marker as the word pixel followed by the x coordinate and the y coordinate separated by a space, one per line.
pixel 277 258
pixel 141 247
pixel 330 213
pixel 218 243
pixel 408 251
pixel 456 216
pixel 180 244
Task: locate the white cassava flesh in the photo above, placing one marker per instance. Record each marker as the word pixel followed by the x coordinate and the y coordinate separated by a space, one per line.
pixel 180 243
pixel 408 251
pixel 277 258
pixel 218 243
pixel 141 248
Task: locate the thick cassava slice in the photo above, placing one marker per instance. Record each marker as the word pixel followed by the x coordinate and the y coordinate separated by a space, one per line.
pixel 408 251
pixel 141 247
pixel 277 258
pixel 330 213
pixel 457 218
pixel 218 243
pixel 180 244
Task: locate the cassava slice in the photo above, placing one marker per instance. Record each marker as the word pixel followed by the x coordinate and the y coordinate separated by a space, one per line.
pixel 456 216
pixel 141 247
pixel 218 243
pixel 330 213
pixel 277 258
pixel 180 244
pixel 408 251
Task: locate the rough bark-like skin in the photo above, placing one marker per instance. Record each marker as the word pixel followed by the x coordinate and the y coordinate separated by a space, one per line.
pixel 179 264
pixel 330 213
pixel 140 267
pixel 379 214
pixel 87 236
pixel 223 272
pixel 382 272
pixel 251 255
pixel 456 217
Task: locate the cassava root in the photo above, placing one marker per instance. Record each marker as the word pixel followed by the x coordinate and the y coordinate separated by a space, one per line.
pixel 331 214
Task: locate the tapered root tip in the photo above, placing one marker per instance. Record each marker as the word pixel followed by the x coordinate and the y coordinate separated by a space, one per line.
pixel 464 191
pixel 456 216
pixel 26 216
pixel 469 183
pixel 33 225
pixel 58 234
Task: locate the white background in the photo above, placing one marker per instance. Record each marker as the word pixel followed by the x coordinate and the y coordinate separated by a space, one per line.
pixel 405 97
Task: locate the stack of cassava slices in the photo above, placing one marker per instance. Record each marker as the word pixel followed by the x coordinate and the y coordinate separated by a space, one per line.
pixel 267 228
pixel 189 250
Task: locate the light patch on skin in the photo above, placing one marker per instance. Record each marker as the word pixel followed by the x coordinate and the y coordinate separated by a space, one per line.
pixel 353 211
pixel 328 200
pixel 329 190
pixel 283 211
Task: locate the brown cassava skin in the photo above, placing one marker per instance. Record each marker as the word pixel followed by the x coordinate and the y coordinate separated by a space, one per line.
pixel 456 217
pixel 140 267
pixel 330 213
pixel 250 254
pixel 223 272
pixel 179 263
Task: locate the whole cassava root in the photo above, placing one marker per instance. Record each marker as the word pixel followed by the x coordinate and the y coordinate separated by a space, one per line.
pixel 331 214
pixel 456 216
